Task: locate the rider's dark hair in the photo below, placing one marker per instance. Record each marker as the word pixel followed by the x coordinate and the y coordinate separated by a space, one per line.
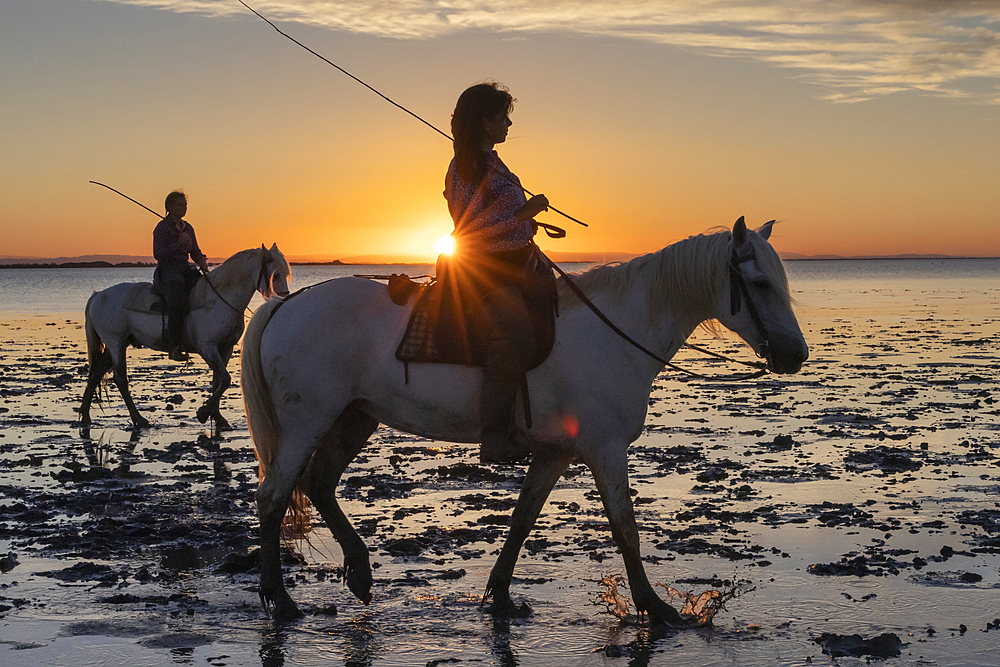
pixel 174 196
pixel 475 105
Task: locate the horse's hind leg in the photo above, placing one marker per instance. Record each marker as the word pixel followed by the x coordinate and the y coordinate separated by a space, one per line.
pixel 543 473
pixel 121 379
pixel 611 474
pixel 99 367
pixel 273 495
pixel 335 452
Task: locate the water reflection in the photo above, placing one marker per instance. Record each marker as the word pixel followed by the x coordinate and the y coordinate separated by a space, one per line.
pixel 648 640
pixel 498 636
pixel 272 647
pixel 360 643
pixel 100 445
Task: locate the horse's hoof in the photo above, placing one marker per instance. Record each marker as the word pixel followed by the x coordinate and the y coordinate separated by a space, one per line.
pixel 141 422
pixel 359 581
pixel 280 607
pixel 203 414
pixel 504 608
pixel 286 613
pixel 222 424
pixel 666 616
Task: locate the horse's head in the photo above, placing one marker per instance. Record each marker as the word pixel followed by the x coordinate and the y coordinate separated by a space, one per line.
pixel 274 272
pixel 757 305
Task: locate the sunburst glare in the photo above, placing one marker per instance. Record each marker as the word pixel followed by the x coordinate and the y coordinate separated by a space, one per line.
pixel 445 245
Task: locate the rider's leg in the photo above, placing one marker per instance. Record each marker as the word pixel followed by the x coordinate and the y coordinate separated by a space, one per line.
pixel 176 297
pixel 510 348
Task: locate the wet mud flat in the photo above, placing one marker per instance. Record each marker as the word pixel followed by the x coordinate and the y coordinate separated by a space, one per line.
pixel 856 505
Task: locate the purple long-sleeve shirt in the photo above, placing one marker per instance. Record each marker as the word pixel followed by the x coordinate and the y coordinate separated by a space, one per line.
pixel 169 250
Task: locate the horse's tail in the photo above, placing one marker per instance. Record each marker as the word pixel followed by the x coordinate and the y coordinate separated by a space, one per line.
pixel 95 346
pixel 261 417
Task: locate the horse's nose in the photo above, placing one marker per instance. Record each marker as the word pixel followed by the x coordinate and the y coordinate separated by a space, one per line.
pixel 788 353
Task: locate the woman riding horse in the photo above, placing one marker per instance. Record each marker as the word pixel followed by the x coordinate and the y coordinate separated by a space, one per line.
pixel 173 242
pixel 493 234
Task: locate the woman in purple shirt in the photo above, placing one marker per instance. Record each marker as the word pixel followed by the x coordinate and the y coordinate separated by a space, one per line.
pixel 494 228
pixel 173 242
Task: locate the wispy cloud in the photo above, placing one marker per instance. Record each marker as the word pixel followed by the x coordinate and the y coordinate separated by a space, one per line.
pixel 854 50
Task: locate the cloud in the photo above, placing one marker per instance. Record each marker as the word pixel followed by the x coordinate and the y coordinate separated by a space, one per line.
pixel 853 50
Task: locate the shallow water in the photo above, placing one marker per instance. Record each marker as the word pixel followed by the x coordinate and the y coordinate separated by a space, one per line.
pixel 885 446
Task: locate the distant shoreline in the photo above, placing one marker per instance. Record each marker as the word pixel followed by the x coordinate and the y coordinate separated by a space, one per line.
pixel 337 262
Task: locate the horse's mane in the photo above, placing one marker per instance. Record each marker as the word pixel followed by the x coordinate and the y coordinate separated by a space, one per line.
pixel 232 270
pixel 688 274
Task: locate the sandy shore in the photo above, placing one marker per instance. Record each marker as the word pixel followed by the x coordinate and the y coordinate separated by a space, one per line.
pixel 859 497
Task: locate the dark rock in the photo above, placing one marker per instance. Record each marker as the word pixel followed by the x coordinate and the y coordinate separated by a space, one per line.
pixel 8 562
pixel 237 563
pixel 886 645
pixel 406 546
pixel 184 557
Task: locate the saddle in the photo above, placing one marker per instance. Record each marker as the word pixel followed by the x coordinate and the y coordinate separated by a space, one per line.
pixel 442 325
pixel 145 298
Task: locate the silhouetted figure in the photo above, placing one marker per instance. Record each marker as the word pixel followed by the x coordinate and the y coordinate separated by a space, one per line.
pixel 494 228
pixel 173 242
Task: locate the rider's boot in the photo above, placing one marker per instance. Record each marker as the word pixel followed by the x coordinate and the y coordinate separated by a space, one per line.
pixel 499 441
pixel 175 326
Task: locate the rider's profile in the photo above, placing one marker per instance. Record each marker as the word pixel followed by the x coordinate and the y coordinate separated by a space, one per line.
pixel 494 228
pixel 173 242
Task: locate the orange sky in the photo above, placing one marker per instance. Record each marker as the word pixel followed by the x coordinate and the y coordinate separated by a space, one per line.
pixel 860 126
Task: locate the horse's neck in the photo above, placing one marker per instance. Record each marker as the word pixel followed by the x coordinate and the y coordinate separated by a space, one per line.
pixel 669 293
pixel 235 279
pixel 687 282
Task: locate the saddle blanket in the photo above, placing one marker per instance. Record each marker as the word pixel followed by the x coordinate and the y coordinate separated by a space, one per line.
pixel 142 298
pixel 439 331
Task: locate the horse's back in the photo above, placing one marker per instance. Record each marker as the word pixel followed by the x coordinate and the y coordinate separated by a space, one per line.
pixel 345 316
pixel 118 297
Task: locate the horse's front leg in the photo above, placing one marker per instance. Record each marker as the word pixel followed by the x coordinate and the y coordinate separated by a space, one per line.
pixel 221 381
pixel 610 471
pixel 545 470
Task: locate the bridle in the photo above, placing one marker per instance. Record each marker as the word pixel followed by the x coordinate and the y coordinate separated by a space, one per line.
pixel 736 281
pixel 265 260
pixel 737 289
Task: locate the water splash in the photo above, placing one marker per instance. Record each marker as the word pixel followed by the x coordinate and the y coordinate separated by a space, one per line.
pixel 699 608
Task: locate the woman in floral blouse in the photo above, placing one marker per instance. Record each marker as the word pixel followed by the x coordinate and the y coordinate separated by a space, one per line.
pixel 494 227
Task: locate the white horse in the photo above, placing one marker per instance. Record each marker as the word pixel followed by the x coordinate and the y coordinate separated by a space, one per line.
pixel 321 374
pixel 120 316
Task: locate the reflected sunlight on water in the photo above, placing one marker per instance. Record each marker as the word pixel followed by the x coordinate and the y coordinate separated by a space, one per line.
pixel 882 453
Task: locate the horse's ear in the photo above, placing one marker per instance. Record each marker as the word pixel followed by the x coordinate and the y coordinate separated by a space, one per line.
pixel 765 230
pixel 740 231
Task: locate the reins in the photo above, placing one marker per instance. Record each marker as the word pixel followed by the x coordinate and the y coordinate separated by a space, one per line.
pixel 551 230
pixel 264 259
pixel 223 299
pixel 762 368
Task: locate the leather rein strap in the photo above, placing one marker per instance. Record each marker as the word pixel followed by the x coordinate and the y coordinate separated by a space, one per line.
pixel 737 287
pixel 265 259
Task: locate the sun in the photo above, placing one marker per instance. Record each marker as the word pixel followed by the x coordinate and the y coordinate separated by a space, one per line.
pixel 445 245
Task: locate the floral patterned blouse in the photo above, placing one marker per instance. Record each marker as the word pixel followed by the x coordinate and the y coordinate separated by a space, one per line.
pixel 484 215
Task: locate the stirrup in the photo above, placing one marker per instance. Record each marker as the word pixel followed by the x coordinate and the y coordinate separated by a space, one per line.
pixel 177 354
